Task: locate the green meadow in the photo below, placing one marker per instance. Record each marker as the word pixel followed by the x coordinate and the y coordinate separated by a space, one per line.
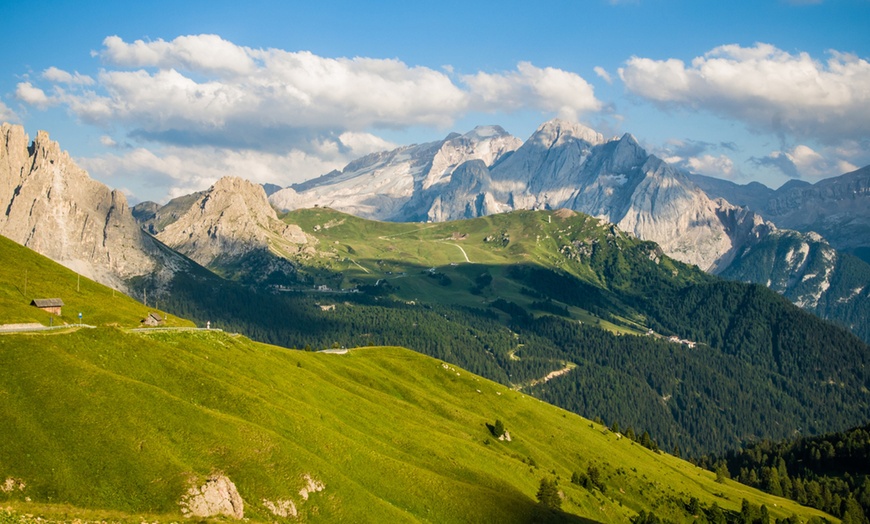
pixel 110 424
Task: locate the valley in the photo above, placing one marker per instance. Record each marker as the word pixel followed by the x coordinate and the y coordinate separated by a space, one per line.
pixel 373 434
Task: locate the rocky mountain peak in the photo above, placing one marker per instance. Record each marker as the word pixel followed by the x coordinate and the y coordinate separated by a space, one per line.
pixel 53 207
pixel 230 219
pixel 553 132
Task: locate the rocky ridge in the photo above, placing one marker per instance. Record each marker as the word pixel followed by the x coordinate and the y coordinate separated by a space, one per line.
pixel 230 219
pixel 401 184
pixel 53 207
pixel 562 165
pixel 838 208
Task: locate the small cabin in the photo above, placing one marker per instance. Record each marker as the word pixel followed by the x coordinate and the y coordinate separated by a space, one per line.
pixel 49 305
pixel 153 319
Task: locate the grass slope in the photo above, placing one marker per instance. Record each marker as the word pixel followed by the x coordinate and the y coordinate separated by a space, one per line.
pixel 354 251
pixel 107 420
pixel 27 275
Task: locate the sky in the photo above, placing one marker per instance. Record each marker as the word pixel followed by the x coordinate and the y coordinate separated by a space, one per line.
pixel 162 98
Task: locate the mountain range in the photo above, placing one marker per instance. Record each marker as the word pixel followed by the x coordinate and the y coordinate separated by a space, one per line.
pixel 514 296
pixel 118 424
pixel 567 165
pixel 838 208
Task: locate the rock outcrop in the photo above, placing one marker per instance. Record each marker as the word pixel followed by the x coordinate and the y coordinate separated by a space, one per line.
pixel 52 206
pixel 231 228
pixel 401 184
pixel 217 496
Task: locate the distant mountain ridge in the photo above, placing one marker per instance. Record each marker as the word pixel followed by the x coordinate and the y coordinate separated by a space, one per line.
pixel 838 208
pixel 562 165
pixel 567 165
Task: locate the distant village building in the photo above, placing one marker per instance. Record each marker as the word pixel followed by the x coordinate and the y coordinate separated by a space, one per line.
pixel 153 319
pixel 50 305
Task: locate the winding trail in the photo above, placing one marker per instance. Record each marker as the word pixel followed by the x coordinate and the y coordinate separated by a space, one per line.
pixel 463 252
pixel 359 266
pixel 550 376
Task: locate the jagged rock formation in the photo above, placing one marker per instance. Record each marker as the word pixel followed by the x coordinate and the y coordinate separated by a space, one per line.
pixel 228 227
pixel 808 271
pixel 401 184
pixel 838 208
pixel 52 206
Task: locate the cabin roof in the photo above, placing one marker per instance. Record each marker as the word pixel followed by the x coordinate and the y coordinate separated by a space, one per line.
pixel 47 302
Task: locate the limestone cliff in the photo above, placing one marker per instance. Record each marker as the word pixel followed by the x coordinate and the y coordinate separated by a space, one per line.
pixel 229 222
pixel 52 206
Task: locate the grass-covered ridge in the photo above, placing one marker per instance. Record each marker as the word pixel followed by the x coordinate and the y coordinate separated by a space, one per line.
pixel 104 419
pixel 27 275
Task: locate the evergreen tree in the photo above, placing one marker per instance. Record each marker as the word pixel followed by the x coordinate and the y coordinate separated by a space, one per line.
pixel 498 428
pixel 548 494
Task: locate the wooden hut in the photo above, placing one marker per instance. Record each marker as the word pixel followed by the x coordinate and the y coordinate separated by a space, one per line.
pixel 50 305
pixel 153 319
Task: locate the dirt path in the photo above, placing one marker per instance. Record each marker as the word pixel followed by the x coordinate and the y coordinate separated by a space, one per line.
pixel 387 237
pixel 550 376
pixel 463 252
pixel 359 266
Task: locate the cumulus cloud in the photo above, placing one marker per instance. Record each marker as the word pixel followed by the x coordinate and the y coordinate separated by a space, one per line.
pixel 203 53
pixel 601 72
pixel 53 74
pixel 547 89
pixel 769 89
pixel 200 91
pixel 720 166
pixel 804 162
pixel 169 171
pixel 695 156
pixel 196 89
pixel 7 115
pixel 30 94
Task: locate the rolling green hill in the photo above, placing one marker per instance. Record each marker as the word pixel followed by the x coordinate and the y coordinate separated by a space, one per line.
pixel 106 420
pixel 115 424
pixel 531 300
pixel 26 275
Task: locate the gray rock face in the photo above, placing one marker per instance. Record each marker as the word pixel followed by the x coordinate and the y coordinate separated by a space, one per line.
pixel 218 496
pixel 838 208
pixel 230 219
pixel 401 184
pixel 52 206
pixel 562 165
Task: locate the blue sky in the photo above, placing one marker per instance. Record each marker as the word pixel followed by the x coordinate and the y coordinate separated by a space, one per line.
pixel 162 98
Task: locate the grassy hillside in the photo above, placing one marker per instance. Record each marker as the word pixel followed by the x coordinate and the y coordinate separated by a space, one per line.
pixel 107 420
pixel 444 262
pixel 26 275
pixel 529 302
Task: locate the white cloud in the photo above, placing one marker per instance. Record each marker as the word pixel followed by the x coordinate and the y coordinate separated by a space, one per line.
pixel 292 115
pixel 547 89
pixel 203 53
pixel 108 141
pixel 769 89
pixel 804 162
pixel 204 90
pixel 53 74
pixel 168 172
pixel 719 166
pixel 601 72
pixel 7 115
pixel 28 93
